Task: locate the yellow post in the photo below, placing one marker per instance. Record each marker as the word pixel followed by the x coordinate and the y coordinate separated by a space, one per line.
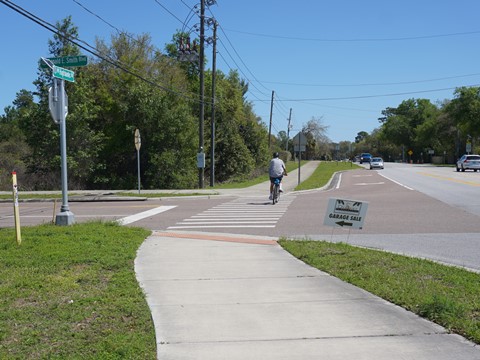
pixel 15 207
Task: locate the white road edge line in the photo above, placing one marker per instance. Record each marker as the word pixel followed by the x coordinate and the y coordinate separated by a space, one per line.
pixel 132 218
pixel 396 182
pixel 339 182
pixel 219 226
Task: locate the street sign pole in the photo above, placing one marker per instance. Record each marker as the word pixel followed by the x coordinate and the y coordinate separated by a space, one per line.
pixel 138 144
pixel 58 105
pixel 299 159
pixel 299 144
pixel 65 217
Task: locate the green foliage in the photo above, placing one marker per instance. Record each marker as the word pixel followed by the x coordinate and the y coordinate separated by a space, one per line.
pixel 465 110
pixel 107 105
pixel 241 141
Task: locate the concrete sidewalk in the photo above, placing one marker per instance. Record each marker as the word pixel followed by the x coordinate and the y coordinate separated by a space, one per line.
pixel 225 296
pixel 220 296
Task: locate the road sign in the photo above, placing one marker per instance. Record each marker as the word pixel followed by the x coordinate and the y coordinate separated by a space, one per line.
pixel 63 74
pixel 67 61
pixel 468 148
pixel 201 160
pixel 138 140
pixel 54 105
pixel 300 139
pixel 345 213
pixel 299 142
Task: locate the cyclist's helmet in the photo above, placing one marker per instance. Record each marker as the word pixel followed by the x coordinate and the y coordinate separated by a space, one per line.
pixel 275 154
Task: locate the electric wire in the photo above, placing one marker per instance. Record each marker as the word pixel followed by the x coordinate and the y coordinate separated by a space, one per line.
pixel 375 84
pixel 150 48
pixel 90 49
pixel 378 95
pixel 406 38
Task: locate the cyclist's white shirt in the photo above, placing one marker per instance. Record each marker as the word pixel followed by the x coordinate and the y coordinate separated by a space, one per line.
pixel 276 167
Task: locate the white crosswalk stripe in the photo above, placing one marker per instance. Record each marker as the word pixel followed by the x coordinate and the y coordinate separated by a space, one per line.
pixel 239 213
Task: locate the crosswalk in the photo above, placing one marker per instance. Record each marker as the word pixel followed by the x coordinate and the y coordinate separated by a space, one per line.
pixel 238 213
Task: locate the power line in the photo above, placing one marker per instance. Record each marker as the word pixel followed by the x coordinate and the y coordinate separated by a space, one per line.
pixel 379 95
pixel 171 13
pixel 407 38
pixel 239 57
pixel 89 48
pixel 374 84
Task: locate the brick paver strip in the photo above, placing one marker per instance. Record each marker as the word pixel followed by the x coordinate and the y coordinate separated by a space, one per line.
pixel 216 238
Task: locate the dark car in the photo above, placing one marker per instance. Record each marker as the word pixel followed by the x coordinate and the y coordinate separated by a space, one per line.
pixel 471 162
pixel 365 157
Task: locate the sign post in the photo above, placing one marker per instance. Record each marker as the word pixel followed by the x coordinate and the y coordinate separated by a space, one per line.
pixel 299 145
pixel 65 217
pixel 58 105
pixel 138 144
pixel 15 208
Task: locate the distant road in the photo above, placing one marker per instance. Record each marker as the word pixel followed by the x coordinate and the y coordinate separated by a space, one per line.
pixel 417 210
pixel 459 189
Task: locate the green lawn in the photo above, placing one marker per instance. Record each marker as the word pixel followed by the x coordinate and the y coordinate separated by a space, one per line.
pixel 447 295
pixel 71 293
pixel 323 174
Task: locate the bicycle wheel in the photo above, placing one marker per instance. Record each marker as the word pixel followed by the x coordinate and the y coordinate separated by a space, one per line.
pixel 275 194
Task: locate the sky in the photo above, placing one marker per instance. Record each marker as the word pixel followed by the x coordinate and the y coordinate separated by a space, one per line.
pixel 339 62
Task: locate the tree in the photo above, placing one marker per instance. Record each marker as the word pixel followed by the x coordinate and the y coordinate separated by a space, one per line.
pixel 163 116
pixel 317 140
pixel 360 136
pixel 400 125
pixel 13 148
pixel 465 111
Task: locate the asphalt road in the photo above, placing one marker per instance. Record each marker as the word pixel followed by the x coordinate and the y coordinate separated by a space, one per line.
pixel 416 210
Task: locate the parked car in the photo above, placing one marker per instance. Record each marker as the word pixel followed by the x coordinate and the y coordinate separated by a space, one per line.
pixel 376 163
pixel 468 162
pixel 365 157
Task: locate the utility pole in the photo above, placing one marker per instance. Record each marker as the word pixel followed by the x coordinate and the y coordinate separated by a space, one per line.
pixel 212 127
pixel 201 166
pixel 288 129
pixel 271 114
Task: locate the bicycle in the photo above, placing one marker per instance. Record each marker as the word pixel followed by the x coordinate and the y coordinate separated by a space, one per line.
pixel 276 191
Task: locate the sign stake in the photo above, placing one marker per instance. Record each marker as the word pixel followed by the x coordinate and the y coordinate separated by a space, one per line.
pixel 15 208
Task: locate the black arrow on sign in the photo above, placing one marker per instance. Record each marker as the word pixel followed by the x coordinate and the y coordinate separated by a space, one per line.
pixel 343 223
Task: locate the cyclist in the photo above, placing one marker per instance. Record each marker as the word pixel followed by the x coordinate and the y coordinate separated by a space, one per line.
pixel 276 170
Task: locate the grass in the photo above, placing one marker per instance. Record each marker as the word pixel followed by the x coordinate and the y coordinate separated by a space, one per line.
pixel 323 174
pixel 290 165
pixel 71 292
pixel 35 196
pixel 160 195
pixel 447 295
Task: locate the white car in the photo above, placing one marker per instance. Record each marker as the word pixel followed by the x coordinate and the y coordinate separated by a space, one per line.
pixel 376 163
pixel 471 162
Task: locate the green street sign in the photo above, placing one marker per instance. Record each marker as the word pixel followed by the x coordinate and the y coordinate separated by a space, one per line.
pixel 63 74
pixel 67 61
